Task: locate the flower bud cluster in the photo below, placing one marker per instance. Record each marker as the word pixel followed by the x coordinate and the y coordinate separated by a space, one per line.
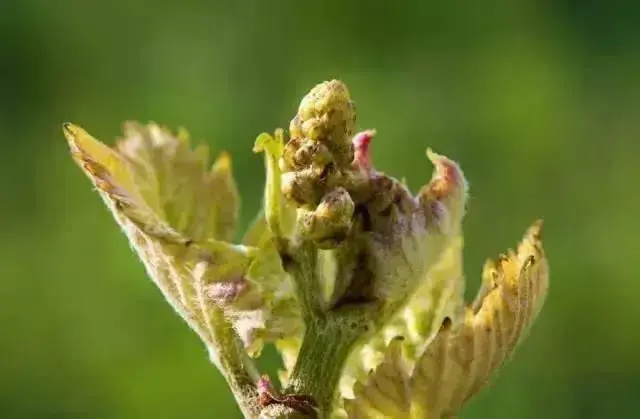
pixel 327 171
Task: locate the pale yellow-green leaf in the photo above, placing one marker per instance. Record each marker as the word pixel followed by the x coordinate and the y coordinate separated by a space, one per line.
pixel 177 212
pixel 452 361
pixel 277 317
pixel 258 232
pixel 272 146
pixel 289 349
pixel 439 296
pixel 466 351
pixel 198 201
pixel 279 216
pixel 385 393
pixel 158 190
pixel 436 298
pixel 434 256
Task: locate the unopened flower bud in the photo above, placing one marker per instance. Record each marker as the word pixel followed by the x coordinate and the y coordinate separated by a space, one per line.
pixel 330 222
pixel 288 160
pixel 300 154
pixel 327 115
pixel 301 187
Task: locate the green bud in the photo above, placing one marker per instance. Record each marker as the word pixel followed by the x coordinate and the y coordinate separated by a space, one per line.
pixel 329 224
pixel 327 115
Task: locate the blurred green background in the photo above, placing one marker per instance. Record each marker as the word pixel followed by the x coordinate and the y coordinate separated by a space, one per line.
pixel 537 100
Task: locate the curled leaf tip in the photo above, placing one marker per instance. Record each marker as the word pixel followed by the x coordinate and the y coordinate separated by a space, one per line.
pixel 261 141
pixel 68 129
pixel 535 231
pixel 269 143
pixel 447 177
pixel 71 134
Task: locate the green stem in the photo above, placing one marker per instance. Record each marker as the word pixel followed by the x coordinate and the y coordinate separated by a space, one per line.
pixel 329 337
pixel 324 351
pixel 304 271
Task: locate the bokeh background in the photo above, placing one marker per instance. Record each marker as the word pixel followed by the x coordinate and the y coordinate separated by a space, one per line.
pixel 538 100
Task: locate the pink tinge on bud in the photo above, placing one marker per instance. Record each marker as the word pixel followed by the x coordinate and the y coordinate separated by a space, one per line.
pixel 362 155
pixel 225 292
